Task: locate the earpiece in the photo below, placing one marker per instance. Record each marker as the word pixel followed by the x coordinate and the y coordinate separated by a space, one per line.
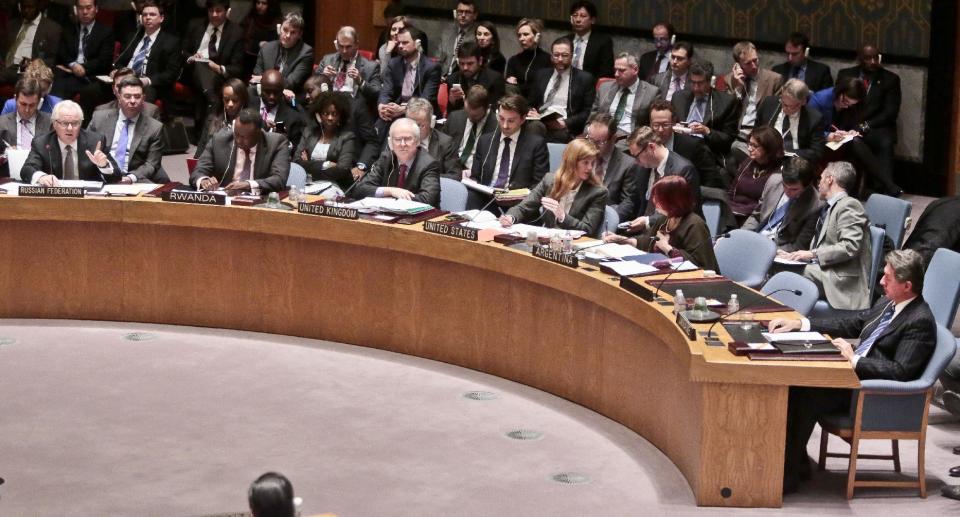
pixel 806 52
pixel 713 81
pixel 419 45
pixel 673 39
pixel 536 37
pixel 389 142
pixel 336 45
pixel 454 14
pixel 74 10
pixel 278 29
pixel 880 59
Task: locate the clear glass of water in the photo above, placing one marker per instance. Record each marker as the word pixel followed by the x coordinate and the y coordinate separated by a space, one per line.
pixel 746 320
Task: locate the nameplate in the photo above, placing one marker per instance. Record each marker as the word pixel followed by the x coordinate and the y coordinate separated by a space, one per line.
pixel 559 257
pixel 451 230
pixel 686 327
pixel 337 212
pixel 33 191
pixel 197 198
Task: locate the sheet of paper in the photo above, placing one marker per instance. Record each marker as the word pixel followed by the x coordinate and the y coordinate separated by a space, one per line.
pixel 11 188
pixel 324 188
pixel 390 204
pixel 522 229
pixel 593 243
pixel 473 185
pixel 794 336
pixel 16 158
pixel 105 78
pixel 786 262
pixel 82 184
pixel 629 267
pixel 837 145
pixel 128 190
pixel 761 346
pixel 615 250
pixel 476 216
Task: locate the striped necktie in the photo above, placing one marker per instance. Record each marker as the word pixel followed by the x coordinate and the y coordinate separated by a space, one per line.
pixel 885 319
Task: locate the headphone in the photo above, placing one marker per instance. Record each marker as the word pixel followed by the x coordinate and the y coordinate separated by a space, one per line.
pixel 806 52
pixel 418 45
pixel 536 38
pixel 879 59
pixel 454 14
pixel 336 45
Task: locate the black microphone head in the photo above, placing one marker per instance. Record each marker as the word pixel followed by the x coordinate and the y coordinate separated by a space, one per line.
pixel 796 292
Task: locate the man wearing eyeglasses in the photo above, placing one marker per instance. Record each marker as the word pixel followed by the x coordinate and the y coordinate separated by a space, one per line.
pixel 454 36
pixel 406 172
pixel 563 96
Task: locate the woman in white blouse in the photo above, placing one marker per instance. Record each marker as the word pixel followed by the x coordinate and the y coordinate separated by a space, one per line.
pixel 326 150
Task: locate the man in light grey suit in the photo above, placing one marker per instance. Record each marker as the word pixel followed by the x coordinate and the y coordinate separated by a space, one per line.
pixel 461 31
pixel 632 112
pixel 617 170
pixel 347 70
pixel 247 158
pixel 136 140
pixel 18 128
pixel 841 244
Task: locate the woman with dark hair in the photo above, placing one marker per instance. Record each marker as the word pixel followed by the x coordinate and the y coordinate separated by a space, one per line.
pixel 259 26
pixel 572 198
pixel 489 42
pixel 326 150
pixel 271 495
pixel 765 157
pixel 682 233
pixel 521 67
pixel 233 99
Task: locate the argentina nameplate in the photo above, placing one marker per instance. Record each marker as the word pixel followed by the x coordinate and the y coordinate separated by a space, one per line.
pixel 198 198
pixel 37 191
pixel 337 212
pixel 451 230
pixel 559 257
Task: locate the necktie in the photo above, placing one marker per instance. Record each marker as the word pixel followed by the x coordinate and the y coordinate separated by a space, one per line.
pixel 600 170
pixel 283 60
pixel 621 105
pixel 264 114
pixel 777 217
pixel 578 54
pixel 12 53
pixel 341 77
pixel 406 91
pixel 141 56
pixel 122 144
pixel 656 66
pixel 553 89
pixel 81 59
pixel 456 51
pixel 26 137
pixel 468 147
pixel 819 228
pixel 867 342
pixel 69 166
pixel 402 180
pixel 212 47
pixel 504 174
pixel 245 171
pixel 696 114
pixel 785 131
pixel 677 86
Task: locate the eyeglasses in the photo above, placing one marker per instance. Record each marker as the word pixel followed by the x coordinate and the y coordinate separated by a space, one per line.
pixel 659 127
pixel 462 12
pixel 753 145
pixel 561 55
pixel 68 125
pixel 405 140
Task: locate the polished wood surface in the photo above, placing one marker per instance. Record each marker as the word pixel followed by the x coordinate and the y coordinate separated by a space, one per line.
pixel 576 334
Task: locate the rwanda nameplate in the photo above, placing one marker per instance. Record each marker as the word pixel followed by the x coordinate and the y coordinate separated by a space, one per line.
pixel 197 198
pixel 337 212
pixel 451 230
pixel 564 259
pixel 36 191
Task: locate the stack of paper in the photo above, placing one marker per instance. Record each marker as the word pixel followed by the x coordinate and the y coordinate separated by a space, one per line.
pixel 391 205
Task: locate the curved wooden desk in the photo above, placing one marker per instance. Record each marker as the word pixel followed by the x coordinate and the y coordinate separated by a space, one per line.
pixel 575 334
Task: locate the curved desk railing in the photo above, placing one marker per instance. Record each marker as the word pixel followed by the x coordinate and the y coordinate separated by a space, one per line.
pixel 575 334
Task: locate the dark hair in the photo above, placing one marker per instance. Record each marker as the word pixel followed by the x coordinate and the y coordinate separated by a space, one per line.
pixel 584 4
pixel 701 69
pixel 798 39
pixel 271 495
pixel 128 81
pixel 239 89
pixel 337 100
pixel 271 16
pixel 685 45
pixel 852 87
pixel 562 40
pixel 250 116
pixel 96 3
pixel 152 3
pixel 122 72
pixel 797 170
pixel 495 44
pixel 769 140
pixel 665 24
pixel 673 195
pixel 604 118
pixel 471 3
pixel 477 95
pixel 27 87
pixel 663 105
pixel 907 266
pixel 469 49
pixel 210 4
pixel 515 103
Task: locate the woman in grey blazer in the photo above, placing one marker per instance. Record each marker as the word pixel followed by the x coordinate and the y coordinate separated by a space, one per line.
pixel 326 151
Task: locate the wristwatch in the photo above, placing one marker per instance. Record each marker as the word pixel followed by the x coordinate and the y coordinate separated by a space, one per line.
pixel 362 167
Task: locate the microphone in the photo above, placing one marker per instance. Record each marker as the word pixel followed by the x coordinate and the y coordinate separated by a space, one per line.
pixel 492 199
pixel 796 292
pixel 660 284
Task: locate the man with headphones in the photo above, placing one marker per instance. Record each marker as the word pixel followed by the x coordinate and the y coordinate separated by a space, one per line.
pixel 86 51
pixel 407 172
pixel 410 74
pixel 31 36
pixel 454 36
pixel 348 71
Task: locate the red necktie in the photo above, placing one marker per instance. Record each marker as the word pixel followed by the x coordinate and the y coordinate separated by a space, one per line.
pixel 403 176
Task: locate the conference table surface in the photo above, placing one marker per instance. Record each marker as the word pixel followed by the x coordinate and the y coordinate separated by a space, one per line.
pixel 576 334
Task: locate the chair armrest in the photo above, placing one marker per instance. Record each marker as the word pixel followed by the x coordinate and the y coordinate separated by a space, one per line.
pixel 880 387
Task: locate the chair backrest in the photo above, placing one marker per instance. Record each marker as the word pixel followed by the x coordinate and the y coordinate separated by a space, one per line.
pixel 789 280
pixel 443 97
pixel 711 214
pixel 603 80
pixel 745 256
pixel 297 177
pixel 610 220
pixel 891 214
pixel 453 195
pixel 556 155
pixel 367 54
pixel 943 353
pixel 876 255
pixel 941 285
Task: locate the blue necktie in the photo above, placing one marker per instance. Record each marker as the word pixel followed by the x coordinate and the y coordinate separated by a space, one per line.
pixel 121 155
pixel 868 341
pixel 141 57
pixel 778 215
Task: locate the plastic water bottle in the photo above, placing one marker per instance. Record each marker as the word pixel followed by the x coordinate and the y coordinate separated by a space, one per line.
pixel 555 244
pixel 567 242
pixel 679 302
pixel 733 305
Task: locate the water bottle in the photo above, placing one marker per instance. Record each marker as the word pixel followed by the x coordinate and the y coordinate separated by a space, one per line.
pixel 733 305
pixel 679 302
pixel 567 242
pixel 532 238
pixel 555 244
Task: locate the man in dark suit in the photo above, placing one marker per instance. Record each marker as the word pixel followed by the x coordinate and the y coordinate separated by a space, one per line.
pixel 136 140
pixel 937 227
pixel 277 115
pixel 878 112
pixel 149 109
pixel 816 75
pixel 614 168
pixel 410 74
pixel 288 54
pixel 31 36
pixel 675 79
pixel 19 128
pixel 627 98
pixel 440 146
pixel 658 59
pixel 662 121
pixel 469 74
pixel 897 338
pixel 465 126
pixel 801 126
pixel 406 172
pixel 592 50
pixel 213 50
pixel 153 55
pixel 69 152
pixel 707 112
pixel 656 161
pixel 348 71
pixel 246 158
pixel 563 90
pixel 511 157
pixel 787 206
pixel 86 51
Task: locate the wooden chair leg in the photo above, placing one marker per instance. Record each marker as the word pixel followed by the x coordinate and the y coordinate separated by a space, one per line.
pixel 896 455
pixel 852 465
pixel 921 469
pixel 824 437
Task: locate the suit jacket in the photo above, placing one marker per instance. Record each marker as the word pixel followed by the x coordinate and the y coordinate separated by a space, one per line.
pixel 620 180
pixel 817 75
pixel 149 109
pixel 585 214
pixel 426 84
pixel 145 151
pixel 369 73
pixel 901 351
pixel 937 227
pixel 297 69
pixel 423 178
pixel 45 156
pixel 598 56
pixel 662 82
pixel 580 94
pixel 648 61
pixel 696 151
pixel 164 63
pixel 676 166
pixel 97 48
pixel 344 150
pixel 531 161
pixel 486 77
pixel 230 45
pixel 292 119
pixel 446 52
pixel 691 238
pixel 640 111
pixel 444 150
pixel 843 251
pixel 46 41
pixel 271 166
pixel 882 106
pixel 795 232
pixel 9 132
pixel 768 83
pixel 810 129
pixel 721 117
pixel 456 127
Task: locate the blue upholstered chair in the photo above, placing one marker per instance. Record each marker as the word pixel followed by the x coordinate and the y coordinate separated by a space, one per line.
pixel 890 410
pixel 610 220
pixel 889 213
pixel 453 195
pixel 788 280
pixel 297 177
pixel 823 310
pixel 556 155
pixel 745 257
pixel 711 214
pixel 941 285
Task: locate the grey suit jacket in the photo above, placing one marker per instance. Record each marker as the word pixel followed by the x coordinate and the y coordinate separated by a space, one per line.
pixel 271 165
pixel 645 95
pixel 843 251
pixel 585 214
pixel 369 72
pixel 423 178
pixel 9 132
pixel 298 67
pixel 445 52
pixel 145 150
pixel 620 180
pixel 662 82
pixel 795 233
pixel 676 166
pixel 444 150
pixel 149 109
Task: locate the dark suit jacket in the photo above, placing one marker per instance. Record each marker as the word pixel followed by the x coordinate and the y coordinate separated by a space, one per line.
pixel 146 148
pixel 795 231
pixel 720 117
pixel 45 156
pixel 648 61
pixel 444 149
pixel 676 166
pixel 97 49
pixel 696 151
pixel 813 145
pixel 9 132
pixel 640 111
pixel 46 42
pixel 369 72
pixel 882 106
pixel 164 63
pixel 423 178
pixel 456 127
pixel 817 76
pixel 581 92
pixel 149 109
pixel 531 161
pixel 297 69
pixel 343 150
pixel 426 85
pixel 620 180
pixel 230 45
pixel 292 119
pixel 662 82
pixel 598 56
pixel 486 77
pixel 586 212
pixel 903 349
pixel 937 227
pixel 271 166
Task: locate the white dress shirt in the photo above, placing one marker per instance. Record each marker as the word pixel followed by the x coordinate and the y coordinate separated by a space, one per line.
pixel 82 59
pixel 136 50
pixel 25 50
pixel 584 41
pixel 204 49
pixel 794 127
pixel 626 123
pixel 559 101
